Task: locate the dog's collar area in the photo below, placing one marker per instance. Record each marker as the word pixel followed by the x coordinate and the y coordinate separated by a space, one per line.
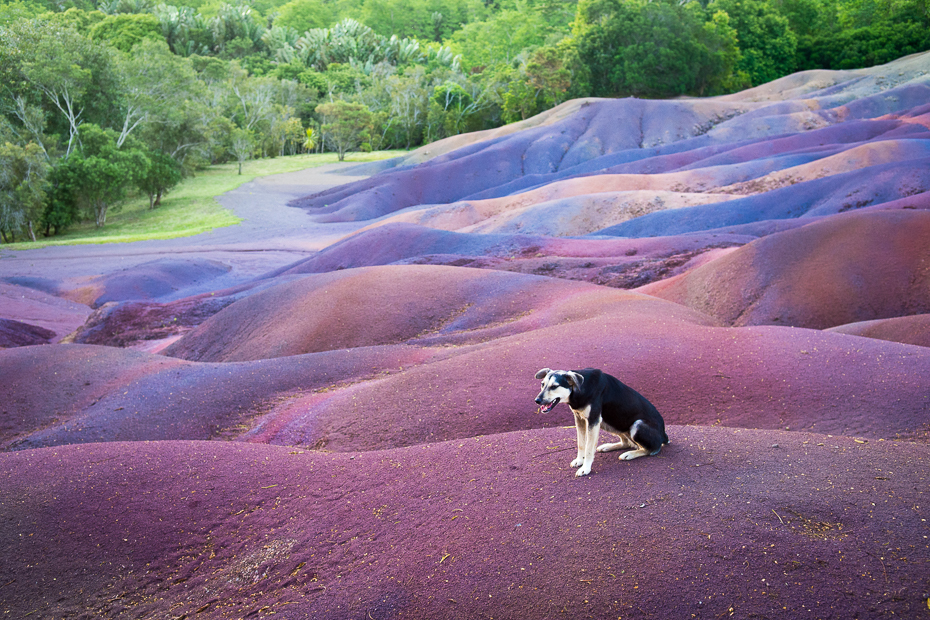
pixel 546 408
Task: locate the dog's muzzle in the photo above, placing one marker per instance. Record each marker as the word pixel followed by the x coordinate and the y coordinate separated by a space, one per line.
pixel 546 407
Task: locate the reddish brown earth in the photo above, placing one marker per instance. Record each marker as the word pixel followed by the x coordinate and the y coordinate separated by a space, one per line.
pixel 913 329
pixel 725 522
pixel 844 269
pixel 327 411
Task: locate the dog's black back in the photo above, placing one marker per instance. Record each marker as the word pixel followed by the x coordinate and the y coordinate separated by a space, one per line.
pixel 619 407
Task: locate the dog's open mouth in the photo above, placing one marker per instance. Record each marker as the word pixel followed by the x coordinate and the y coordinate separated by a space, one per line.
pixel 546 408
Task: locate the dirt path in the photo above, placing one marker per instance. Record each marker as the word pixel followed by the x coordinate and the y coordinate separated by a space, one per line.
pixel 271 235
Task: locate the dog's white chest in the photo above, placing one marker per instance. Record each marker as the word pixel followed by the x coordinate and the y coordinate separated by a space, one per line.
pixel 582 413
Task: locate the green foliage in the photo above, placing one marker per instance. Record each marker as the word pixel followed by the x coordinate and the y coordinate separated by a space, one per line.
pixel 61 211
pixel 242 145
pixel 185 30
pixel 541 84
pixel 429 20
pixel 304 15
pixel 236 30
pixel 96 178
pixel 345 125
pixel 135 7
pixel 453 109
pixel 310 142
pixel 342 78
pixel 499 39
pixel 55 68
pixel 123 31
pixel 78 19
pixel 162 173
pixel 19 9
pixel 807 18
pixel 652 49
pixel 314 79
pixel 766 43
pixel 864 47
pixel 23 172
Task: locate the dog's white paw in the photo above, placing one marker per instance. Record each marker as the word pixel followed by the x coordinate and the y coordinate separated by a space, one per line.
pixel 584 471
pixel 632 454
pixel 608 447
pixel 577 462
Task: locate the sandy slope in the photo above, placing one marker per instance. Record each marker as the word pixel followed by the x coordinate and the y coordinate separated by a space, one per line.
pixel 723 523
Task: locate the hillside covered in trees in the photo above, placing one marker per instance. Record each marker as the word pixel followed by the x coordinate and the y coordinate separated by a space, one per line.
pixel 104 99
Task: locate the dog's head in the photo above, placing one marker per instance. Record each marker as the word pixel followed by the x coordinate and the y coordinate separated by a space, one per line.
pixel 557 386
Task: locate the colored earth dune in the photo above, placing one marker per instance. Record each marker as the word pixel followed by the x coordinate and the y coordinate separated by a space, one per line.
pixel 327 411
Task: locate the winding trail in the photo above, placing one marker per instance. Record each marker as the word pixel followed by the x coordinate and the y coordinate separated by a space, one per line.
pixel 270 236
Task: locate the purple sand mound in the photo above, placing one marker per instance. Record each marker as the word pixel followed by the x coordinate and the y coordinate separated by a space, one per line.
pixel 39 308
pixel 158 279
pixel 905 329
pixel 722 523
pixel 835 194
pixel 843 269
pixel 599 127
pixel 621 263
pixel 717 143
pixel 122 324
pixel 759 377
pixel 94 394
pixel 421 304
pixel 45 386
pixel 18 334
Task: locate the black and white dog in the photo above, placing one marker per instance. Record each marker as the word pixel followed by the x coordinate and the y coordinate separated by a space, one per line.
pixel 599 400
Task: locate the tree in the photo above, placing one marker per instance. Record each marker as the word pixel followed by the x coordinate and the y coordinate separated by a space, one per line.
pixel 23 172
pixel 18 9
pixel 408 104
pixel 123 31
pixel 766 43
pixel 429 20
pixel 242 145
pixel 345 125
pixel 185 30
pixel 651 49
pixel 294 136
pixel 98 176
pixel 539 85
pixel 152 81
pixel 59 68
pixel 162 173
pixel 304 15
pixel 310 142
pixel 255 96
pixel 500 39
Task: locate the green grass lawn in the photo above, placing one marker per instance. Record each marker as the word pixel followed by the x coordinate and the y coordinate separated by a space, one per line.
pixel 191 207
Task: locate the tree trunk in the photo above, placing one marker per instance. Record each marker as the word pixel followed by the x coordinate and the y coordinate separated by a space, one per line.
pixel 101 214
pixel 158 198
pixel 32 234
pixel 240 167
pixel 152 202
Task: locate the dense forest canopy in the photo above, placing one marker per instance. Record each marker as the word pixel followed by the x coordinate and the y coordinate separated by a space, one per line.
pixel 101 99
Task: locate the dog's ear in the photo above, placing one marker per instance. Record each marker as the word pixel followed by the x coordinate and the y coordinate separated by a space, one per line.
pixel 542 373
pixel 574 379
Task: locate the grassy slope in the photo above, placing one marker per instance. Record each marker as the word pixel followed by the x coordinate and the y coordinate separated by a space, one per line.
pixel 190 208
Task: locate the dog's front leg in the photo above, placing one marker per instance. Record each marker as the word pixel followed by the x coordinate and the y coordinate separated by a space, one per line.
pixel 581 432
pixel 589 448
